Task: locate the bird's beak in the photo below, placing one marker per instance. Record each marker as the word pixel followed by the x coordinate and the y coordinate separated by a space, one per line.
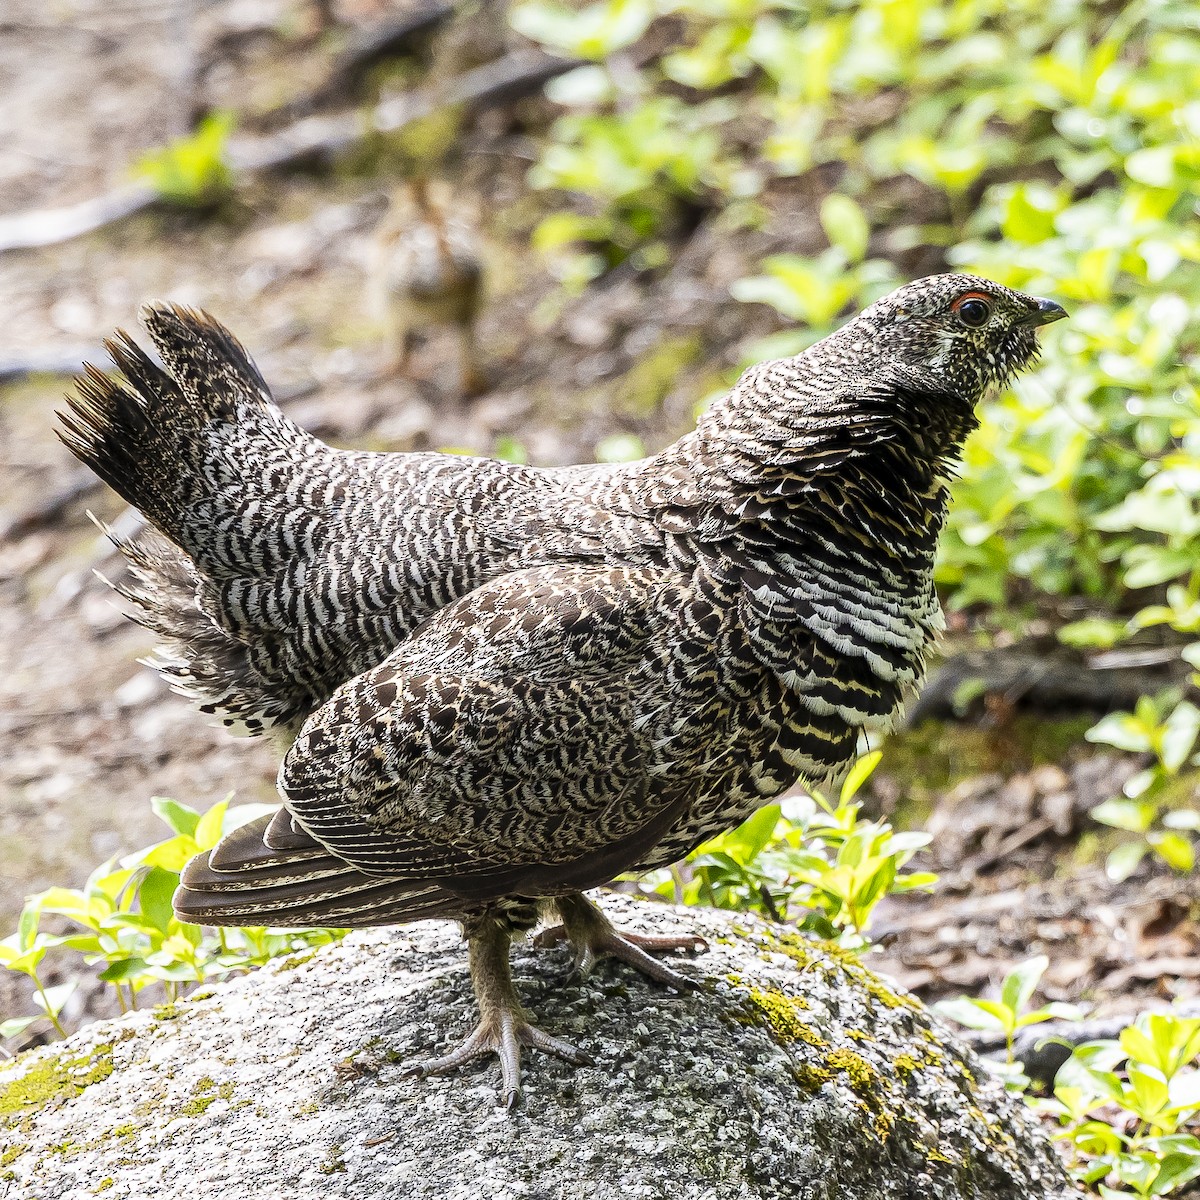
pixel 1046 311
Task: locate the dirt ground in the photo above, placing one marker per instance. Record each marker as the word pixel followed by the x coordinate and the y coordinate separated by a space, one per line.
pixel 89 736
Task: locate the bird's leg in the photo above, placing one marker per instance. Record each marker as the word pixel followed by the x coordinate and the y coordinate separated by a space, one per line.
pixel 474 381
pixel 504 1026
pixel 404 340
pixel 593 936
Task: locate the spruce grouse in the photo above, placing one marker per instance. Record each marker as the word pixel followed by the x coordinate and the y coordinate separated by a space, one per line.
pixel 499 686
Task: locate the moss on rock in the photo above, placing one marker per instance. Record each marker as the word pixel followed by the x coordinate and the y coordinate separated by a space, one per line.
pixel 52 1079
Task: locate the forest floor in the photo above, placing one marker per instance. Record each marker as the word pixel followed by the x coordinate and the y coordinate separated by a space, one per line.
pixel 89 736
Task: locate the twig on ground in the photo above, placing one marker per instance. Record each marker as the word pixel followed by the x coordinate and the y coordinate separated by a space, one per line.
pixel 508 79
pixel 48 509
pixel 1041 682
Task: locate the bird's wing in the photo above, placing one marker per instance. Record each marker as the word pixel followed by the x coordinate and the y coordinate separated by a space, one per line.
pixel 504 744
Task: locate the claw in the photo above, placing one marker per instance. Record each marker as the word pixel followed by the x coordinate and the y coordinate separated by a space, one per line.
pixel 546 939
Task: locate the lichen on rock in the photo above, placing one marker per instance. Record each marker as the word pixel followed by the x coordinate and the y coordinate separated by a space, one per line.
pixel 793 1072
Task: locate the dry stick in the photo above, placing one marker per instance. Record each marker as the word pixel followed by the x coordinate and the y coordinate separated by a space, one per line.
pixel 508 79
pixel 365 50
pixel 48 509
pixel 64 360
pixel 50 226
pixel 1043 682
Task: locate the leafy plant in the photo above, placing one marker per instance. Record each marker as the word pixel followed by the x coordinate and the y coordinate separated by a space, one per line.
pixel 123 921
pixel 1123 1106
pixel 815 291
pixel 806 858
pixel 1008 1013
pixel 642 169
pixel 1164 727
pixel 192 171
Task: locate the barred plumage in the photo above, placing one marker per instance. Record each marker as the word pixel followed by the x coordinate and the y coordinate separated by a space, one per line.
pixel 504 685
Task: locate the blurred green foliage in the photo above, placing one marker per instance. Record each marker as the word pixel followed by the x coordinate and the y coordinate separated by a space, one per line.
pixel 1008 1014
pixel 808 859
pixel 192 171
pixel 1053 146
pixel 1125 1107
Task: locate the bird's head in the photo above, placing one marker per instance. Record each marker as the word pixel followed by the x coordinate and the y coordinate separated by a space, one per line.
pixel 956 334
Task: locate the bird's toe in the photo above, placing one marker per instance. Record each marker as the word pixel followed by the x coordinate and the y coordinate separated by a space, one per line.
pixel 504 1037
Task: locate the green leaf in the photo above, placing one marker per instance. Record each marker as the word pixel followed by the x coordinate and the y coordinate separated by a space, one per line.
pixel 27 927
pixel 26 962
pixel 16 1025
pixel 52 999
pixel 1178 1162
pixel 596 31
pixel 154 897
pixel 753 834
pixel 211 825
pixel 1175 849
pixel 1123 813
pixel 1149 1091
pixel 859 774
pixel 845 225
pixel 1179 735
pixel 1154 166
pixel 178 816
pixel 974 1014
pixel 1093 633
pixel 171 855
pixel 1121 730
pixel 123 969
pixel 1124 860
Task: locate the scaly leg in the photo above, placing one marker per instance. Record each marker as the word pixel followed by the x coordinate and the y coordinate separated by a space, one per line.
pixel 403 339
pixel 474 381
pixel 593 936
pixel 504 1026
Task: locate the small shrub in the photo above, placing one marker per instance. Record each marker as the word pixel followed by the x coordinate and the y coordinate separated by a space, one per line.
pixel 807 859
pixel 123 921
pixel 192 171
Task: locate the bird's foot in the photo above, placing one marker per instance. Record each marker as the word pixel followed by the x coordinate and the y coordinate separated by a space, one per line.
pixel 502 1035
pixel 594 937
pixel 504 1026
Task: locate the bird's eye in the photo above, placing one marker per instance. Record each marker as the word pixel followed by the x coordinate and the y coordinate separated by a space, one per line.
pixel 973 310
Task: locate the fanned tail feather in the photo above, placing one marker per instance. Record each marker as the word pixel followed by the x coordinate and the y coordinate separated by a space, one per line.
pixel 195 447
pixel 144 432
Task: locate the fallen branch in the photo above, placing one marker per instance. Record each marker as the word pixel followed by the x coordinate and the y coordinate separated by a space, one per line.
pixel 365 50
pixel 48 362
pixel 49 508
pixel 513 77
pixel 493 85
pixel 50 226
pixel 1024 679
